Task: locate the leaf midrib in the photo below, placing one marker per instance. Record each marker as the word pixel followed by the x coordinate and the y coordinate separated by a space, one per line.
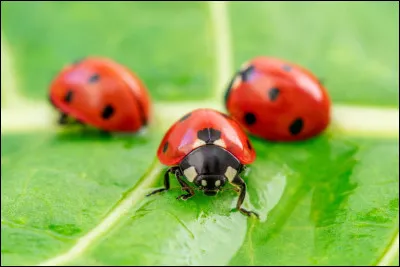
pixel 132 197
pixel 390 251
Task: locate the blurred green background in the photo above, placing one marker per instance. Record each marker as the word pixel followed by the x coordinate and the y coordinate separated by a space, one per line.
pixel 332 200
pixel 351 45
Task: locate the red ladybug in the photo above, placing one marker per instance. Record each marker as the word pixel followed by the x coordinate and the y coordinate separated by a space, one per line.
pixel 208 149
pixel 102 93
pixel 278 100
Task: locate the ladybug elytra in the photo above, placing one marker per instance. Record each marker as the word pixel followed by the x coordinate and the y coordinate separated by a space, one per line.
pixel 208 149
pixel 102 93
pixel 278 100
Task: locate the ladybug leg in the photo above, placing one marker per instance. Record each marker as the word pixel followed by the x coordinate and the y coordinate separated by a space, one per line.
pixel 243 169
pixel 166 183
pixel 185 186
pixel 63 119
pixel 76 121
pixel 242 186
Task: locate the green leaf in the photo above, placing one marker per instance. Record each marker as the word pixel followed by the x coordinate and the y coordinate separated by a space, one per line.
pixel 317 196
pixel 55 188
pixel 78 197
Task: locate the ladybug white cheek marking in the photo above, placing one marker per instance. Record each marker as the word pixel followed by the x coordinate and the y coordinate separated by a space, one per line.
pixel 198 143
pixel 230 173
pixel 217 183
pixel 220 143
pixel 203 182
pixel 190 173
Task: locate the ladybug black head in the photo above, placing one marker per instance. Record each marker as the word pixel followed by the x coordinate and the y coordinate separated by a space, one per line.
pixel 209 167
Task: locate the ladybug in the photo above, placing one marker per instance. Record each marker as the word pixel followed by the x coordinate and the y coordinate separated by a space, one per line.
pixel 208 149
pixel 278 100
pixel 102 93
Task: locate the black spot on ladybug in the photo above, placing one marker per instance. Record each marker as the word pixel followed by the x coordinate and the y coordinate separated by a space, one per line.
pixel 185 117
pixel 94 78
pixel 68 96
pixel 249 145
pixel 209 135
pixel 250 118
pixel 246 74
pixel 165 147
pixel 296 126
pixel 287 68
pixel 273 94
pixel 107 112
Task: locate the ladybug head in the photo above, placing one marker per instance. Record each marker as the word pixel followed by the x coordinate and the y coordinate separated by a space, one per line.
pixel 209 167
pixel 210 184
